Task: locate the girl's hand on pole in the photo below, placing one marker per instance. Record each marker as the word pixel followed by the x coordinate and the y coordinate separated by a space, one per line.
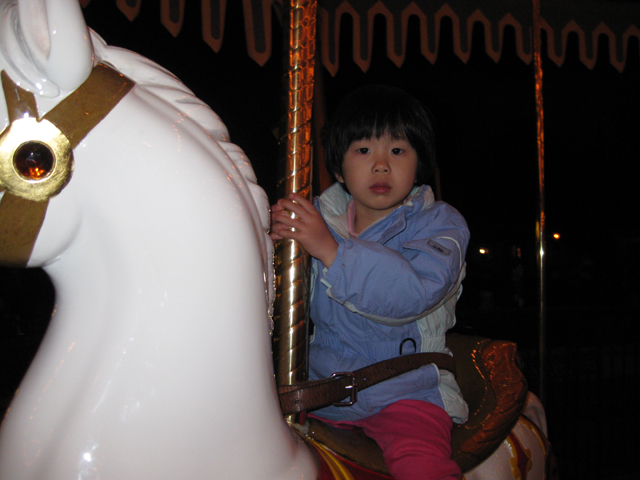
pixel 305 226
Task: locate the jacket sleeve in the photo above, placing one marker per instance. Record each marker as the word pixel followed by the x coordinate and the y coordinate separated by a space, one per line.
pixel 397 286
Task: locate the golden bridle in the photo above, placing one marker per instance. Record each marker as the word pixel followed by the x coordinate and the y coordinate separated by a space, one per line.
pixel 36 154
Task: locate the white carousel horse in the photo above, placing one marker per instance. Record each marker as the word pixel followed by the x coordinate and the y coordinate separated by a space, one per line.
pixel 157 361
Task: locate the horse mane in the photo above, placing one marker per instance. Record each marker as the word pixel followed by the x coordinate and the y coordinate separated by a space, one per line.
pixel 162 84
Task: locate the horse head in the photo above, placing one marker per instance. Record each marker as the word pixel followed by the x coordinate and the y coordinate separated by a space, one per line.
pixel 152 227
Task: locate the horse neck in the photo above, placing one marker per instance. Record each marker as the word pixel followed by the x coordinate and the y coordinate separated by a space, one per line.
pixel 162 291
pixel 141 353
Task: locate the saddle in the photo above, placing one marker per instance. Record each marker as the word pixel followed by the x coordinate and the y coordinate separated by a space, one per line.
pixel 493 386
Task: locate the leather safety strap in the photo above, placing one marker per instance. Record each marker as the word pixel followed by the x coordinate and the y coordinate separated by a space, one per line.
pixel 21 218
pixel 346 385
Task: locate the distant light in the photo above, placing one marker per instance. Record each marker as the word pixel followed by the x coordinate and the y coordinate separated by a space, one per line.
pixel 556 236
pixel 483 251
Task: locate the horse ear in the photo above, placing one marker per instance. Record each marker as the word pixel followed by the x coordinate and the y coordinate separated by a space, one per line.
pixel 57 39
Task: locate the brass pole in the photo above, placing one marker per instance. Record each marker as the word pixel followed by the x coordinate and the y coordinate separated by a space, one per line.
pixel 541 227
pixel 292 263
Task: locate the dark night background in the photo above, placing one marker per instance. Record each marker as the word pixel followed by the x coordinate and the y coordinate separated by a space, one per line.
pixel 486 146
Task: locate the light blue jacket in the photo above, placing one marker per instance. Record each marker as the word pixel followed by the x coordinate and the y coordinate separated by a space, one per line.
pixel 400 278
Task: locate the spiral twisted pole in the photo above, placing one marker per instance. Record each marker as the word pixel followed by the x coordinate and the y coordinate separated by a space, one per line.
pixel 292 263
pixel 541 223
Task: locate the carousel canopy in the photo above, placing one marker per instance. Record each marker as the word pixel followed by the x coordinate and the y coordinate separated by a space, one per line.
pixel 588 20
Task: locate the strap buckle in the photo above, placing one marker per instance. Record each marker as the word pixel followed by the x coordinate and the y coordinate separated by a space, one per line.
pixel 353 389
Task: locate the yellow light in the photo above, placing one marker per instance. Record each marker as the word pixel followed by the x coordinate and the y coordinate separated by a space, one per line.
pixel 483 251
pixel 556 236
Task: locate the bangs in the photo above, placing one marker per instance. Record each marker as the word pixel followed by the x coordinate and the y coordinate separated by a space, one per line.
pixel 374 120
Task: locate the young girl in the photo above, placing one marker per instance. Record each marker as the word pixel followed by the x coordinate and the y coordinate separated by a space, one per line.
pixel 387 265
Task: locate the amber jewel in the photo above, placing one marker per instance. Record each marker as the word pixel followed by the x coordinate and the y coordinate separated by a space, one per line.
pixel 33 160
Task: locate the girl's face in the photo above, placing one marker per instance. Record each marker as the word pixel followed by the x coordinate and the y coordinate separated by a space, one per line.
pixel 379 173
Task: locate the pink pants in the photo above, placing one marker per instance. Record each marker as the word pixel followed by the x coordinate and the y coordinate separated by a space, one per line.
pixel 415 438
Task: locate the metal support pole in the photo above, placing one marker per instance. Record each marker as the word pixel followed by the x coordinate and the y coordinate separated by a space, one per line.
pixel 292 263
pixel 541 226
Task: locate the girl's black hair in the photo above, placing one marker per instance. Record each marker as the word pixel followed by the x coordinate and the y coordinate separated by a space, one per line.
pixel 374 111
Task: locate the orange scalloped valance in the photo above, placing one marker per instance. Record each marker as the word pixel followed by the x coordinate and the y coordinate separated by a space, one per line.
pixel 588 20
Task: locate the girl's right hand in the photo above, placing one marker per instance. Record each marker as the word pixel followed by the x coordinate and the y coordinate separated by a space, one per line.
pixel 305 226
